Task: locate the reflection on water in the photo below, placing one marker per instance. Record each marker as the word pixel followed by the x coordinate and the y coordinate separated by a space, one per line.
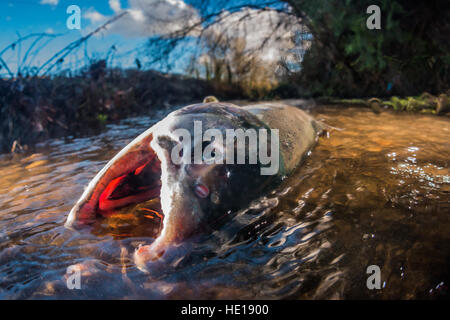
pixel 374 193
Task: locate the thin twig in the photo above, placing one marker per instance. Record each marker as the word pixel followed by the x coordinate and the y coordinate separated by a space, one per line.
pixel 6 67
pixel 60 55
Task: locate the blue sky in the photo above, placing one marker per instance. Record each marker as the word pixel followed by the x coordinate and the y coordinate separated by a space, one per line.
pixel 23 17
pixel 30 16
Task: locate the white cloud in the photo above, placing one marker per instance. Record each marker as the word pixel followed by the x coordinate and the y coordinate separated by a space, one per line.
pixel 51 2
pixel 146 17
pixel 115 5
pixel 95 16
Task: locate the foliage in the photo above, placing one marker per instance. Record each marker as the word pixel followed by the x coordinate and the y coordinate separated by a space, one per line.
pixel 409 55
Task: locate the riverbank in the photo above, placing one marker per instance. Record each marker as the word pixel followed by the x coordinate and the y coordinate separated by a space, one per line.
pixel 425 103
pixel 34 109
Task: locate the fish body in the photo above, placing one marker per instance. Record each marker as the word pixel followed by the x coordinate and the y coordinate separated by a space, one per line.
pixel 197 193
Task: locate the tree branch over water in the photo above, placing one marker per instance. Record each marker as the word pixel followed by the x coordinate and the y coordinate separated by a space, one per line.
pixel 167 43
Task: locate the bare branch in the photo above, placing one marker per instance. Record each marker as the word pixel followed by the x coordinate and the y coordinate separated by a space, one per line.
pixel 60 55
pixel 6 67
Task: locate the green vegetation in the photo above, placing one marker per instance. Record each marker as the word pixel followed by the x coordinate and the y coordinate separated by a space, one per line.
pixel 425 103
pixel 408 56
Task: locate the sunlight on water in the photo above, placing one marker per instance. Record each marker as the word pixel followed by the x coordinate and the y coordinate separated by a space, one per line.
pixel 375 192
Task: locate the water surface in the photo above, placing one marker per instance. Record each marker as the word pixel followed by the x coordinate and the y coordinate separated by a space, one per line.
pixel 375 192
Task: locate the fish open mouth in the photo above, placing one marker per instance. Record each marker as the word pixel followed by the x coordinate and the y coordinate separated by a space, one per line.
pixel 140 184
pixel 133 176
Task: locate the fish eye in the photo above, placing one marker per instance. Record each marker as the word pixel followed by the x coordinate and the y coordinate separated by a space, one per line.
pixel 201 190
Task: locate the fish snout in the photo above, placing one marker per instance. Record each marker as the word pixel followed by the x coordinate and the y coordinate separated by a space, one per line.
pixel 159 255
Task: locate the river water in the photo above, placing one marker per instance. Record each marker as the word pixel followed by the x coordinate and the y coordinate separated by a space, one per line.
pixel 374 192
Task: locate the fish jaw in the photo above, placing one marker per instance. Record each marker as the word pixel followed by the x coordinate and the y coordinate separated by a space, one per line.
pixel 94 200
